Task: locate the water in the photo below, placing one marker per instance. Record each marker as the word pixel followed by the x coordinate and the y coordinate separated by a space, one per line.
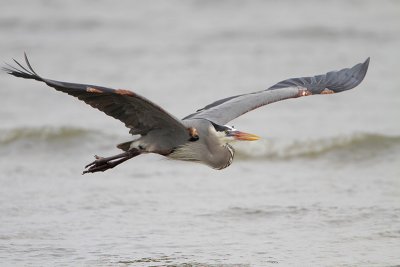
pixel 320 189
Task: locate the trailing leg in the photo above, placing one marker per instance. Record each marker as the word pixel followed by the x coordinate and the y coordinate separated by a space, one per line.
pixel 102 164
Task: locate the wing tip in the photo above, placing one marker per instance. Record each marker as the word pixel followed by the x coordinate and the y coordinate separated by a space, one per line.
pixel 363 70
pixel 19 70
pixel 366 63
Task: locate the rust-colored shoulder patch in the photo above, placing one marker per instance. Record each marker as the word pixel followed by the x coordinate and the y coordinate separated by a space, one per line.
pixel 194 136
pixel 124 92
pixel 327 91
pixel 93 90
pixel 304 92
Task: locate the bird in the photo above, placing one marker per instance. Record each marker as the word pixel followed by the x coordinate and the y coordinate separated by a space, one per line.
pixel 203 136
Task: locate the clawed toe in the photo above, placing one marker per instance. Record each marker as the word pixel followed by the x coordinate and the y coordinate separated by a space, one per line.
pixel 98 160
pixel 101 164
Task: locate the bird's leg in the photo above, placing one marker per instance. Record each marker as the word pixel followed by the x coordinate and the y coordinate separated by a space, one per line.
pixel 102 164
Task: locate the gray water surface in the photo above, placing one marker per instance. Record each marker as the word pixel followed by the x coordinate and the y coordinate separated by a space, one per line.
pixel 322 188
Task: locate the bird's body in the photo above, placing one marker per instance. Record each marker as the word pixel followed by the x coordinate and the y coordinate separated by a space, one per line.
pixel 200 137
pixel 217 154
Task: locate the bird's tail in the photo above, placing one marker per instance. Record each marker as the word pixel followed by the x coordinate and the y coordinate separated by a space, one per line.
pixel 23 72
pixel 125 146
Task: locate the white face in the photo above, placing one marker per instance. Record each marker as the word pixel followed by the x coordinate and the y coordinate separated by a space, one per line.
pixel 232 128
pixel 225 135
pixel 228 134
pixel 222 133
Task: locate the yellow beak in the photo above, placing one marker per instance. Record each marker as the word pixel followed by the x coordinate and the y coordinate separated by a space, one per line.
pixel 245 136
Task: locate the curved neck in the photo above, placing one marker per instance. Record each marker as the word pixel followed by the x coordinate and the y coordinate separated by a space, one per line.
pixel 221 156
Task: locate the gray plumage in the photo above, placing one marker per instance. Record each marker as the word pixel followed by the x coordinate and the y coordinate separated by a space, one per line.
pixel 199 137
pixel 225 110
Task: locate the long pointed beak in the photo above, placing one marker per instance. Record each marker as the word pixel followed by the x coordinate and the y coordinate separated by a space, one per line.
pixel 245 136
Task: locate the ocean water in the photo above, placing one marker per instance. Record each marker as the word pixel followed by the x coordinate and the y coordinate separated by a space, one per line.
pixel 322 187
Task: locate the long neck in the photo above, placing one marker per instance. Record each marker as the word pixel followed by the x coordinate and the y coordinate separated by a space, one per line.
pixel 217 156
pixel 221 156
pixel 209 149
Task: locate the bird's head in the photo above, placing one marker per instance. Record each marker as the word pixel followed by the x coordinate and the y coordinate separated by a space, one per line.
pixel 228 134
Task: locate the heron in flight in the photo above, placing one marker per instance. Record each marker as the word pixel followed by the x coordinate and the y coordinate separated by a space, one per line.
pixel 202 136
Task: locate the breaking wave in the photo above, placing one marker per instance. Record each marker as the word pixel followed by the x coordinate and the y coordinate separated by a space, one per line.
pixel 354 146
pixel 44 134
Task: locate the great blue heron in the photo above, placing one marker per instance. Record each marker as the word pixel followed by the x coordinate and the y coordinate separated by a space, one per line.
pixel 199 137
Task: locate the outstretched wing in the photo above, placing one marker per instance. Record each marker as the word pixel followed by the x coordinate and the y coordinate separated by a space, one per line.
pixel 227 109
pixel 138 113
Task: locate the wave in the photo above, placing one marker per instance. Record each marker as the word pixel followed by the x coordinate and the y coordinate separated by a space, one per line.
pixel 354 146
pixel 45 134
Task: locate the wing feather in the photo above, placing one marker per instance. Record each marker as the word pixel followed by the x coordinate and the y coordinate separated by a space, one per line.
pixel 224 110
pixel 138 113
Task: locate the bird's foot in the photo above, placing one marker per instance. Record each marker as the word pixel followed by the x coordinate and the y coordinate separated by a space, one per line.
pixel 102 164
